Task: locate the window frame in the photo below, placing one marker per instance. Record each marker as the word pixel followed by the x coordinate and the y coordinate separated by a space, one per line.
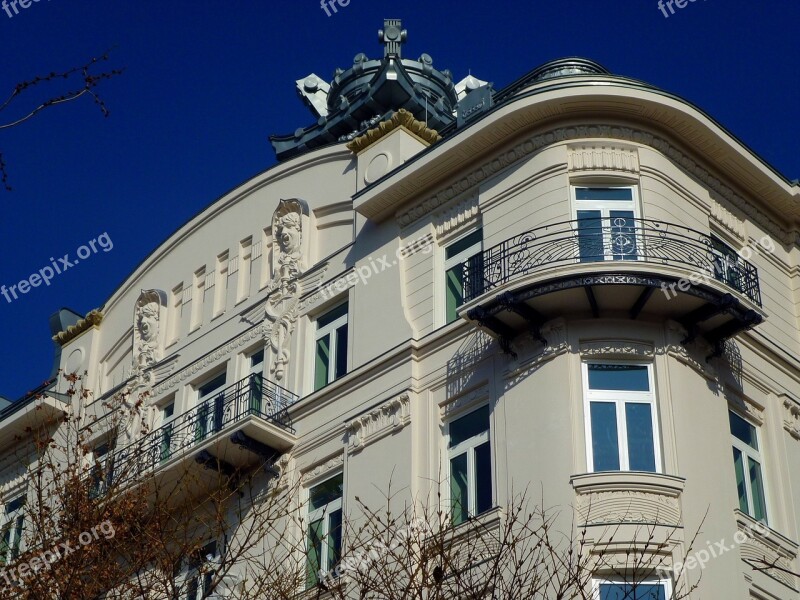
pixel 605 207
pixel 331 329
pixel 756 455
pixel 12 524
pixel 469 447
pixel 598 581
pixel 448 263
pixel 633 397
pixel 323 513
pixel 192 573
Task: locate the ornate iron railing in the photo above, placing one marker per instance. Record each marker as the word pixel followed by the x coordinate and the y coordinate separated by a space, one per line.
pixel 615 239
pixel 252 396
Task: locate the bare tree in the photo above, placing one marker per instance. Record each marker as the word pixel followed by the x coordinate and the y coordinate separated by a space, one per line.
pixel 80 81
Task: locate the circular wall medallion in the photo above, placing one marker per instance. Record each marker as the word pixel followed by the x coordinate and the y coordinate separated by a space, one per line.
pixel 74 361
pixel 378 167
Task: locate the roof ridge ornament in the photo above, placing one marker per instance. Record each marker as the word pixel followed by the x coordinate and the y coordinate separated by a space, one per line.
pixel 392 36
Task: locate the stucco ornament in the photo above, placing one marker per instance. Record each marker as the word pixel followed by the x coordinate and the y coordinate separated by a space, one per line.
pixel 284 289
pixel 148 337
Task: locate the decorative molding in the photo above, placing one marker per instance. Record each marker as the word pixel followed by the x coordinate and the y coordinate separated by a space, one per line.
pixel 791 416
pixel 322 470
pixel 727 221
pixel 675 334
pixel 563 134
pixel 624 497
pixel 456 216
pixel 532 353
pixel 617 348
pixel 211 279
pixel 592 157
pixel 377 424
pixel 452 406
pixel 93 319
pixel 255 250
pixel 187 294
pixel 233 265
pixel 759 545
pixel 402 119
pixel 312 281
pixel 208 359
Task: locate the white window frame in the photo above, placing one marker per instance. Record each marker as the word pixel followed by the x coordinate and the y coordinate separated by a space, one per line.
pixel 605 207
pixel 449 263
pixel 749 452
pixel 323 513
pixel 330 329
pixel 13 522
pixel 596 582
pixel 468 446
pixel 619 398
pixel 189 573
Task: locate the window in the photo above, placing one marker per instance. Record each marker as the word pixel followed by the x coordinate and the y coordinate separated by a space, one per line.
pixel 255 381
pixel 605 223
pixel 167 415
pixel 221 284
pixel 455 255
pixel 330 350
pixel 324 537
pixel 621 428
pixel 726 264
pixel 647 589
pixel 176 306
pixel 199 298
pixel 211 400
pixel 102 469
pixel 201 572
pixel 245 255
pixel 470 457
pixel 747 466
pixel 13 525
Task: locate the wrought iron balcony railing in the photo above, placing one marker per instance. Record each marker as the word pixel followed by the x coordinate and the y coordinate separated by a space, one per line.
pixel 252 396
pixel 616 239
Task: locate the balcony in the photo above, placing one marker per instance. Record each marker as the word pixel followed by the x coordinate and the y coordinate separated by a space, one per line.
pixel 247 423
pixel 612 267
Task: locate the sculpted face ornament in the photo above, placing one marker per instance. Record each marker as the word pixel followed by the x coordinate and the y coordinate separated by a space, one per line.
pixel 147 324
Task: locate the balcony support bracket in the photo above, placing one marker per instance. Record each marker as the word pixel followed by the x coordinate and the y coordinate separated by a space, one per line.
pixel 641 301
pixel 270 455
pixel 534 318
pixel 592 301
pixel 504 332
pixel 211 462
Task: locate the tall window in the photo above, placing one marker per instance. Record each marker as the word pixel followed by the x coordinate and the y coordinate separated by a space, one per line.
pixel 455 255
pixel 201 572
pixel 211 400
pixel 605 223
pixel 747 466
pixel 647 589
pixel 199 298
pixel 621 426
pixel 255 380
pixel 330 350
pixel 245 256
pixel 167 416
pixel 11 528
pixel 102 469
pixel 324 536
pixel 221 284
pixel 470 457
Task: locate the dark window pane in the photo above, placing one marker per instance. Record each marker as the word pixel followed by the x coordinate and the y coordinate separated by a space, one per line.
pixel 741 489
pixel 458 247
pixel 326 492
pixel 641 451
pixel 627 591
pixel 469 426
pixel 341 352
pixel 334 539
pixel 590 236
pixel 322 362
pixel 314 552
pixel 257 358
pixel 454 286
pixel 743 430
pixel 331 316
pixel 604 194
pixel 605 439
pixel 626 378
pixel 212 386
pixel 483 477
pixel 459 489
pixel 757 487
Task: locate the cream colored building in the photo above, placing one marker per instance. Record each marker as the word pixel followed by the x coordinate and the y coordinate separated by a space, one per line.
pixel 580 283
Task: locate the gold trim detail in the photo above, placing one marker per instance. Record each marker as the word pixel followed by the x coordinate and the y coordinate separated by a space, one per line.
pixel 401 119
pixel 93 319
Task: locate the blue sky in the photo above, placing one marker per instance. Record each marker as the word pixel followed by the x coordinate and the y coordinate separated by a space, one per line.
pixel 206 83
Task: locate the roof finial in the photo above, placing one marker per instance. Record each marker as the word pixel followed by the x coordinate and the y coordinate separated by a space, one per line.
pixel 392 36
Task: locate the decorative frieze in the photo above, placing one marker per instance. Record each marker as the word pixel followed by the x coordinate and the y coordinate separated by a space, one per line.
pixel 591 157
pixel 376 424
pixel 322 470
pixel 727 221
pixel 617 348
pixel 456 216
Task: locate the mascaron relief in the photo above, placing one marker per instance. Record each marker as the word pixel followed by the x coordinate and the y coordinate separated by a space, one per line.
pixel 791 418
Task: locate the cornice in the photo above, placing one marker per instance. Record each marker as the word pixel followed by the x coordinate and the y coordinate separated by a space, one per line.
pixel 402 119
pixel 93 319
pixel 368 428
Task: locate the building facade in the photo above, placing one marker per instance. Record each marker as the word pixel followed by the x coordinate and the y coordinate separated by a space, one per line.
pixel 579 284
